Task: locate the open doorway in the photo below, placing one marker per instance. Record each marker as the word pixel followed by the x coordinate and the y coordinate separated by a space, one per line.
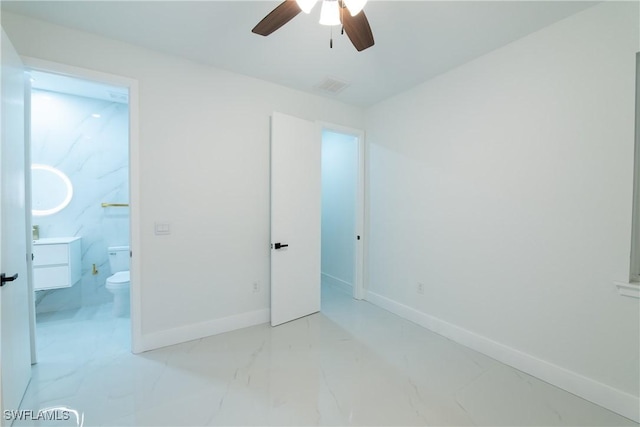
pixel 80 215
pixel 342 211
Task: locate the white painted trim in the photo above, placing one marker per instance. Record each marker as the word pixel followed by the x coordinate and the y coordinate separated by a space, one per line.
pixel 361 256
pixel 634 268
pixel 196 331
pixel 135 228
pixel 601 394
pixel 78 72
pixel 343 285
pixel 134 175
pixel 28 221
pixel 628 289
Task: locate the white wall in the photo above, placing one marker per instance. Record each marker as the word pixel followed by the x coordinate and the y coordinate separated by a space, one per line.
pixel 204 153
pixel 505 187
pixel 339 189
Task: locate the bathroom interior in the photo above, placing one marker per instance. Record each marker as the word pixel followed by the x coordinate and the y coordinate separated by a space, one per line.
pixel 80 214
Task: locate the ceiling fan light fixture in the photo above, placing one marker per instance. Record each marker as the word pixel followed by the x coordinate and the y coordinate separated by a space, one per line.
pixel 330 13
pixel 306 5
pixel 356 27
pixel 355 6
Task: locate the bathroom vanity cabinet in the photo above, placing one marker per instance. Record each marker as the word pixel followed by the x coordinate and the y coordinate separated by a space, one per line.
pixel 56 262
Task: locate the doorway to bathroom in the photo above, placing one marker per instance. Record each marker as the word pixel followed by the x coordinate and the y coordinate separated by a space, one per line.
pixel 80 190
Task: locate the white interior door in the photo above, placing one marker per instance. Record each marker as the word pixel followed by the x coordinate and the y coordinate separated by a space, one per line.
pixel 15 346
pixel 295 218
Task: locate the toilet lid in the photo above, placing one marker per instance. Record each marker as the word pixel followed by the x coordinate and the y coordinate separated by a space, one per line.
pixel 120 277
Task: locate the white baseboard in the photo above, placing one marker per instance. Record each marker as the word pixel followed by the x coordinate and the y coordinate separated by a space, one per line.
pixel 628 289
pixel 606 396
pixel 204 329
pixel 338 283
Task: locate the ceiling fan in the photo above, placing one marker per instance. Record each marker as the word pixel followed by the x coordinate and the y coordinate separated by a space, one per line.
pixel 347 13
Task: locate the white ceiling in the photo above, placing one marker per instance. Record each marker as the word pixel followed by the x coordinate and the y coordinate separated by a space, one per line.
pixel 415 40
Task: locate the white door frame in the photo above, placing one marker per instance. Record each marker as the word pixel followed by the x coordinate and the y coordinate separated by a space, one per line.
pixel 28 217
pixel 360 255
pixel 134 176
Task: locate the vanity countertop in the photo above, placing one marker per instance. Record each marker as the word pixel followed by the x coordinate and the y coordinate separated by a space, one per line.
pixel 55 240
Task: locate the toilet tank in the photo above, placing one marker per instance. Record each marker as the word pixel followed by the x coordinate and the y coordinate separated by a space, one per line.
pixel 119 258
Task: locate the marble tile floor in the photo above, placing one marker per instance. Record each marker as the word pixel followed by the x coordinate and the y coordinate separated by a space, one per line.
pixel 351 364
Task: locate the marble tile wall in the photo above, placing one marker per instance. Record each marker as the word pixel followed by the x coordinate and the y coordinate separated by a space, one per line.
pixel 87 139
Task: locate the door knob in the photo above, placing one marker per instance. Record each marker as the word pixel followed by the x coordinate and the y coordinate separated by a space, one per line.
pixel 4 279
pixel 280 245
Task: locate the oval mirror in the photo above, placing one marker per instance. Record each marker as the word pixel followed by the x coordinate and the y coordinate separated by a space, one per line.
pixel 51 190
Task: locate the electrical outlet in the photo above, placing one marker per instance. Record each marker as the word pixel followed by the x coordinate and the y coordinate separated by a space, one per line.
pixel 256 287
pixel 420 288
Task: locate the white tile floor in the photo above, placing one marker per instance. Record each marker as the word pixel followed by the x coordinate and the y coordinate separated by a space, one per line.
pixel 351 364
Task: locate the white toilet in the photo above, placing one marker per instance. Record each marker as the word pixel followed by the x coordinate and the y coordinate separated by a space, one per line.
pixel 118 283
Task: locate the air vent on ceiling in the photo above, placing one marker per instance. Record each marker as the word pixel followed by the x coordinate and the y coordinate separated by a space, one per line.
pixel 332 85
pixel 118 97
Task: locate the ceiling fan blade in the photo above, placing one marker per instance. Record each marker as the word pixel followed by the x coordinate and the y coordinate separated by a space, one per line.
pixel 358 29
pixel 279 16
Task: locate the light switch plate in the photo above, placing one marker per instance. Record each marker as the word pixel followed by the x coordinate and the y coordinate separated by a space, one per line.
pixel 162 228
